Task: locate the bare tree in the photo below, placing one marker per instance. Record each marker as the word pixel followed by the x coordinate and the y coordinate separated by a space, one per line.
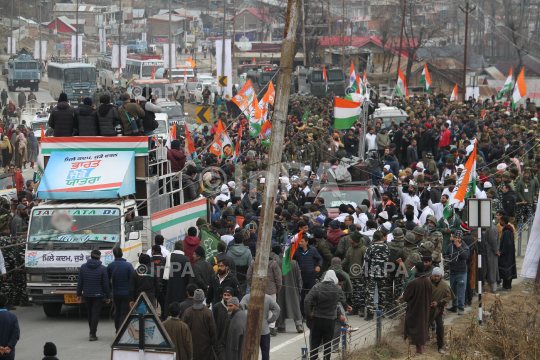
pixel 388 30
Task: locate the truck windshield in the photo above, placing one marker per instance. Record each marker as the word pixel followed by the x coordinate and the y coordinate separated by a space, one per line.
pixel 83 225
pixel 37 125
pixel 26 65
pixel 80 75
pixel 147 70
pixel 7 183
pixel 334 197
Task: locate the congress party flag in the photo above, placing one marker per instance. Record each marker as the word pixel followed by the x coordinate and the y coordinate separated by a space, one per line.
pixel 217 144
pixel 190 62
pixel 454 95
pixel 290 249
pixel 171 137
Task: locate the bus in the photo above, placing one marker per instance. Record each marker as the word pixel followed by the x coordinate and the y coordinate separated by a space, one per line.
pixel 140 67
pixel 160 87
pixel 105 71
pixel 77 80
pixel 137 46
pixel 177 74
pixel 311 81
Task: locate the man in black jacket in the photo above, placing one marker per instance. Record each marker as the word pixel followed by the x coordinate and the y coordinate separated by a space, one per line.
pixel 87 119
pixel 63 118
pixel 471 243
pixel 456 256
pixel 509 203
pixel 224 278
pixel 351 143
pixel 143 279
pixel 107 116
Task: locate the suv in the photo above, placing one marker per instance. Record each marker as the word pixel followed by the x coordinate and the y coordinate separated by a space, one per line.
pixel 387 113
pixel 353 191
pixel 191 86
pixel 175 114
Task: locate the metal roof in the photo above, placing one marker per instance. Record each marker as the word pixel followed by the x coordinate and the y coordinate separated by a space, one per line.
pixel 73 7
pixel 138 13
pixel 72 65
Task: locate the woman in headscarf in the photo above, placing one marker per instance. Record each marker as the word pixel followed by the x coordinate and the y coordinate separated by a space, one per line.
pixel 33 148
pixel 7 152
pixel 21 157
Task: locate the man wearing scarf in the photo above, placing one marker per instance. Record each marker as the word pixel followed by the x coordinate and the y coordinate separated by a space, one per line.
pixel 441 294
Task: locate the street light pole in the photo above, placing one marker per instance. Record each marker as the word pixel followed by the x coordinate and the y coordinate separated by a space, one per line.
pixel 40 50
pixel 467 10
pixel 120 42
pixel 170 42
pixel 223 44
pixel 77 32
pixel 401 38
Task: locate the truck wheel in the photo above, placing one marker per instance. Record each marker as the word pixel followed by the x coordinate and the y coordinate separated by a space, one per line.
pixel 52 309
pixel 36 88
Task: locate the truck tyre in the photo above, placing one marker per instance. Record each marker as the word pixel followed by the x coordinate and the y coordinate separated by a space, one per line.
pixel 52 309
pixel 36 88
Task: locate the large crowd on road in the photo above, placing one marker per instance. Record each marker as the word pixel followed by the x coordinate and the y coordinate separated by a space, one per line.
pixel 410 247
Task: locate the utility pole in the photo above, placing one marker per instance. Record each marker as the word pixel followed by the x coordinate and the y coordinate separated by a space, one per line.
pixel 40 50
pixel 56 31
pixel 304 32
pixel 279 123
pixel 11 24
pixel 343 37
pixel 467 10
pixel 223 44
pixel 329 34
pixel 120 42
pixel 19 20
pixel 77 33
pixel 401 38
pixel 170 42
pixel 232 43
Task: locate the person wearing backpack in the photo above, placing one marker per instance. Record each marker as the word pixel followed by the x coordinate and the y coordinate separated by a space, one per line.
pixel 130 113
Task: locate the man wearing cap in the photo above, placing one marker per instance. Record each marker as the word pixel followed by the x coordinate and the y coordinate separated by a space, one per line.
pixel 129 112
pixel 456 256
pixel 335 233
pixel 441 294
pixel 352 264
pixel 388 204
pixel 222 319
pixel 201 323
pixel 375 272
pixel 236 332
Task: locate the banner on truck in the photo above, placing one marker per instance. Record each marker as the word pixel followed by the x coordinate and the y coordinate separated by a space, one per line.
pixel 64 258
pixel 137 144
pixel 88 175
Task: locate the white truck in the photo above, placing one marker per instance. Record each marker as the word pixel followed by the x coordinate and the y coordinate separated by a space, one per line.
pixel 97 200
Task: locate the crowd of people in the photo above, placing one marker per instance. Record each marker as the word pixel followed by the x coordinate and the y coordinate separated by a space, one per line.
pixel 406 248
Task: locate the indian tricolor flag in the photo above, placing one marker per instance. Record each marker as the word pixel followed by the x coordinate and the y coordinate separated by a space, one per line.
pixel 153 72
pixel 366 83
pixel 454 95
pixel 290 249
pixel 425 80
pixel 401 86
pixel 352 79
pixel 171 137
pixel 360 88
pixel 520 90
pixel 507 86
pixel 325 80
pixel 465 186
pixel 185 77
pixel 346 112
pixel 483 115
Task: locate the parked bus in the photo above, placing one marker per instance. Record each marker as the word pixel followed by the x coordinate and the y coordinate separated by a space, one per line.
pixel 137 46
pixel 311 81
pixel 77 80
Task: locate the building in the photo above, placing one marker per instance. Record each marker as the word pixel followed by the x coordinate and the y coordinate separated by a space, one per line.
pixel 250 22
pixel 65 25
pixel 87 16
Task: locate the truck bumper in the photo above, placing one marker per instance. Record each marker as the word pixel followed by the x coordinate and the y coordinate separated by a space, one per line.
pixel 25 83
pixel 40 294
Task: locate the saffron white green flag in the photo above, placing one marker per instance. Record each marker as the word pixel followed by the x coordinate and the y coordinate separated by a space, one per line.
pixel 346 113
pixel 465 186
pixel 425 80
pixel 520 89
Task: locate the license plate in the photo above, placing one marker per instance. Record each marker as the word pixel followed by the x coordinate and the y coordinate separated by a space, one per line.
pixel 70 299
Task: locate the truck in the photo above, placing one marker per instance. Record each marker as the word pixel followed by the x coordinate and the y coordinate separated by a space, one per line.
pixel 22 72
pixel 98 193
pixel 311 81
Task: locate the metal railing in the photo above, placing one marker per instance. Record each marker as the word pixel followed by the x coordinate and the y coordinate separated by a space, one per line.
pixel 344 343
pixel 524 232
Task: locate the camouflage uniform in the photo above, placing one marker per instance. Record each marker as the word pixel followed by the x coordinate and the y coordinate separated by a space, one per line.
pixel 375 270
pixel 14 258
pixel 395 280
pixel 409 248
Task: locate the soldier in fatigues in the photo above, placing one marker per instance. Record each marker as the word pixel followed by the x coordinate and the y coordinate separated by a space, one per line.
pixel 395 279
pixel 375 271
pixel 15 285
pixel 353 263
pixel 409 247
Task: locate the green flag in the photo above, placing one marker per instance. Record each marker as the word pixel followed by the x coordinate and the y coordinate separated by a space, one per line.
pixel 398 91
pixel 306 114
pixel 209 243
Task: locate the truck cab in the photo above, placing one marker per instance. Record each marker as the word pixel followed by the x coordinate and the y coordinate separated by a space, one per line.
pixel 23 72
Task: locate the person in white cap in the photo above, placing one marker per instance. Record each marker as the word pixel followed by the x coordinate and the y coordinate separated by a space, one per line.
pixel 225 194
pixel 419 169
pixel 441 294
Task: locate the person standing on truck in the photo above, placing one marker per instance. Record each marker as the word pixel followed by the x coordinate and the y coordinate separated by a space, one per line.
pixel 87 119
pixel 119 272
pixel 206 95
pixel 151 109
pixel 4 97
pixel 22 99
pixel 63 118
pixel 93 284
pixel 107 116
pixel 129 114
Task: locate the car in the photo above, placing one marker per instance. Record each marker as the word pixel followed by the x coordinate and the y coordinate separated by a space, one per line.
pixel 162 131
pixel 206 78
pixel 387 114
pixel 175 114
pixel 200 88
pixel 353 191
pixel 39 121
pixel 191 86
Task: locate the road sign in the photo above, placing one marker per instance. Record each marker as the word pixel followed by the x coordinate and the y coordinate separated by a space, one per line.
pixel 203 115
pixel 223 81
